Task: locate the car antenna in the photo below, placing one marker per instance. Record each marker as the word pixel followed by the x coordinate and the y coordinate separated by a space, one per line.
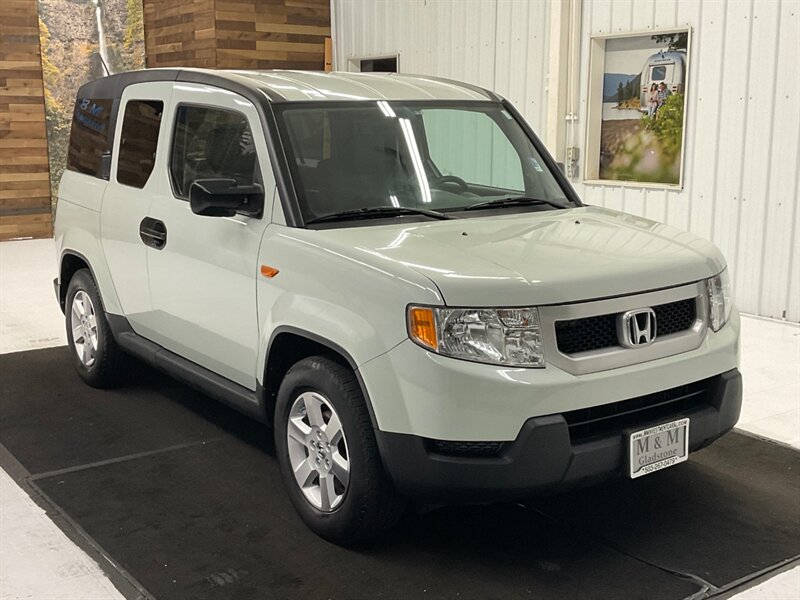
pixel 105 66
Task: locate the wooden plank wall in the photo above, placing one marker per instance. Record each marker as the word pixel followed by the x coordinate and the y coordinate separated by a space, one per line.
pixel 237 34
pixel 283 34
pixel 179 33
pixel 24 172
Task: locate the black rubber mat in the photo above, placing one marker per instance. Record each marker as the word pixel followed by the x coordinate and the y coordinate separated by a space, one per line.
pixel 185 495
pixel 731 510
pixel 50 420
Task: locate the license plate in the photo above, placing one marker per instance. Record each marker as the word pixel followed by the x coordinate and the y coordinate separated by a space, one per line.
pixel 658 447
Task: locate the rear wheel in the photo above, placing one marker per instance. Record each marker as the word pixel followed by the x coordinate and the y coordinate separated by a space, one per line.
pixel 329 456
pixel 94 351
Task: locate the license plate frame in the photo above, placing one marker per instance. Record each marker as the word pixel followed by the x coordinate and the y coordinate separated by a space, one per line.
pixel 658 447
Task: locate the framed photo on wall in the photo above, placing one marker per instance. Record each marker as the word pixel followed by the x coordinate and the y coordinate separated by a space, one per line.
pixel 636 121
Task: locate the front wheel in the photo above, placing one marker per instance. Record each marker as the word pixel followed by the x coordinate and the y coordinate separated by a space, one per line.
pixel 329 456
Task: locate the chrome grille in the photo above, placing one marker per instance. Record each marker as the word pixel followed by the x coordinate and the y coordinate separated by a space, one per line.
pixel 598 332
pixel 591 333
pixel 675 316
pixel 581 337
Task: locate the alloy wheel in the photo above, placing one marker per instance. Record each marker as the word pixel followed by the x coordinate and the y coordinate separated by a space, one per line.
pixel 84 328
pixel 318 451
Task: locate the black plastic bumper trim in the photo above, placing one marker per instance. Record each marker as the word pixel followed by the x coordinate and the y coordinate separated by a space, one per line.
pixel 542 459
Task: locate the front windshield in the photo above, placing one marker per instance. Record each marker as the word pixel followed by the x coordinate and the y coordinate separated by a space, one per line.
pixel 440 156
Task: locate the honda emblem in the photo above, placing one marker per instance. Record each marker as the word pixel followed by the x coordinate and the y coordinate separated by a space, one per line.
pixel 637 328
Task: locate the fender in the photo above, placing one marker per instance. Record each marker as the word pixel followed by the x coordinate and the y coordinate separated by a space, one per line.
pixel 314 338
pixel 335 291
pixel 77 234
pixel 61 286
pixel 325 320
pixel 334 347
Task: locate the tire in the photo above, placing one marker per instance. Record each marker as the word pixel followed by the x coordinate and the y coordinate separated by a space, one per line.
pixel 368 505
pixel 94 352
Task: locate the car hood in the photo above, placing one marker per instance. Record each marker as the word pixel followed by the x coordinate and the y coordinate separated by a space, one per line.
pixel 546 257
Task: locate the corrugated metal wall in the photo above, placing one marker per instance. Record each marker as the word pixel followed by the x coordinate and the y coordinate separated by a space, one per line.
pixel 741 177
pixel 500 45
pixel 742 152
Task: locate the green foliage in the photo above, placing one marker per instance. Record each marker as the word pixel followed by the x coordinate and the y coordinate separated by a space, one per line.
pixel 57 120
pixel 645 150
pixel 133 37
pixel 676 41
pixel 668 124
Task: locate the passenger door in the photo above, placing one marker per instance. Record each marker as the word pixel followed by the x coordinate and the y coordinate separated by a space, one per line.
pixel 132 185
pixel 203 280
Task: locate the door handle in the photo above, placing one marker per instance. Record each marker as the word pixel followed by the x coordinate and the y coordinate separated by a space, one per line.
pixel 153 233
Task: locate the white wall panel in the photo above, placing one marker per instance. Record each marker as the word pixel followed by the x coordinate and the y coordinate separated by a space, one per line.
pixel 497 44
pixel 742 147
pixel 780 249
pixel 743 129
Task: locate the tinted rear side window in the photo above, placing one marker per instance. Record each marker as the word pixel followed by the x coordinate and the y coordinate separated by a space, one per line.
pixel 137 148
pixel 89 137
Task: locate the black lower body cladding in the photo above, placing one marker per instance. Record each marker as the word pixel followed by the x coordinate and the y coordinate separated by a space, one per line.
pixel 544 458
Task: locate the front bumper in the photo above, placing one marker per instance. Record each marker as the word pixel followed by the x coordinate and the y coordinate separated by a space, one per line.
pixel 545 457
pixel 416 392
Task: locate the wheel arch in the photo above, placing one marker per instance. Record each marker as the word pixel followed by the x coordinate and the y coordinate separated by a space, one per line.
pixel 288 345
pixel 71 262
pixel 76 245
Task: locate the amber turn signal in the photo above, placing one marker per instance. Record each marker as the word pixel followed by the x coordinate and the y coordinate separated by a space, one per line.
pixel 422 326
pixel 268 271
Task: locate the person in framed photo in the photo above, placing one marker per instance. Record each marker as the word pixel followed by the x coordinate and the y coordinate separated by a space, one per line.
pixel 652 101
pixel 663 94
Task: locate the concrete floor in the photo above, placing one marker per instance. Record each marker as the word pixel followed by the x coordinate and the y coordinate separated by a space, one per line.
pixel 37 561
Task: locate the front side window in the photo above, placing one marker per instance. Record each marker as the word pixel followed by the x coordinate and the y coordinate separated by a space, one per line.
pixel 211 143
pixel 139 140
pixel 444 156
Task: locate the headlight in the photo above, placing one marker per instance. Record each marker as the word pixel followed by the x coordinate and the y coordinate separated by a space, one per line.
pixel 502 336
pixel 720 300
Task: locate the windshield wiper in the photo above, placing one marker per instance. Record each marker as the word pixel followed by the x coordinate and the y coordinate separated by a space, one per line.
pixel 513 201
pixel 377 212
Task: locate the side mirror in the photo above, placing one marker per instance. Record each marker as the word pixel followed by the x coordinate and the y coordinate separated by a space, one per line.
pixel 224 198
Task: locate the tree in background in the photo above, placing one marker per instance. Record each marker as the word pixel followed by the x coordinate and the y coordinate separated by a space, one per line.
pixel 675 41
